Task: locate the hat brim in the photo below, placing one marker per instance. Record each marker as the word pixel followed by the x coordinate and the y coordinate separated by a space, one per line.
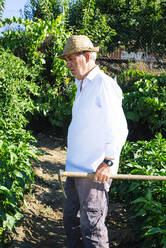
pixel 93 49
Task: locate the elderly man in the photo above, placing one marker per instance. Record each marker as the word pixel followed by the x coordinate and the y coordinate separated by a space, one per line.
pixel 96 134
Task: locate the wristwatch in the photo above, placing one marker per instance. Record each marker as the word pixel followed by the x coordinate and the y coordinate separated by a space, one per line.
pixel 108 162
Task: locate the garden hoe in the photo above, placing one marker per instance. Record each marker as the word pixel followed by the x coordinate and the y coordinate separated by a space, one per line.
pixel 113 176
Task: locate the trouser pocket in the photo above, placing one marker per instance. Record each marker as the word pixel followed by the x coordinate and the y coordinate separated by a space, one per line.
pixel 91 220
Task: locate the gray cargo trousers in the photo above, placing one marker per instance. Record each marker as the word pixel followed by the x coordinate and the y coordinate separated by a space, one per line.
pixel 85 210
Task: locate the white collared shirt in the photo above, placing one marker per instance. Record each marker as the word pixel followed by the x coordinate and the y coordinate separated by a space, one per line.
pixel 98 128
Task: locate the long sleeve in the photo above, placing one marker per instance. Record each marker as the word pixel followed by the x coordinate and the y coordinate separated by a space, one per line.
pixel 115 125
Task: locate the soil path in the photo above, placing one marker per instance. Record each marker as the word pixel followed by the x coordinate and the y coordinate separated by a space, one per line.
pixel 43 221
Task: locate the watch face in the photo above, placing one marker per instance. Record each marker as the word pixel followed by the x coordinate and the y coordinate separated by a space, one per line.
pixel 108 162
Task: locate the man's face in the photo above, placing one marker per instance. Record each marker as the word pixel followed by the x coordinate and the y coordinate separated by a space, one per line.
pixel 76 63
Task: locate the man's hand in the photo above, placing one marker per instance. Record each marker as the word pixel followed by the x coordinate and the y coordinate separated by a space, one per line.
pixel 102 173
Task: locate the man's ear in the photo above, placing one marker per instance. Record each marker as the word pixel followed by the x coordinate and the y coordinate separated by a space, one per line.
pixel 87 56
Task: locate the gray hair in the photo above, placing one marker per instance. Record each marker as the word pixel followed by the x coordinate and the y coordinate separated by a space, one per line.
pixel 93 56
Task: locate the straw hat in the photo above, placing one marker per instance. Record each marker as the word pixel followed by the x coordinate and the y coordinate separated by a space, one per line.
pixel 78 43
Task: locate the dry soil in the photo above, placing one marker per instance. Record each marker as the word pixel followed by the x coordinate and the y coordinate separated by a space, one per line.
pixel 42 226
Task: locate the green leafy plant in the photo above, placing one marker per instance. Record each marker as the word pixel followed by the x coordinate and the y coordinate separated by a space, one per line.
pixel 144 200
pixel 153 214
pixel 39 45
pixel 144 103
pixel 28 86
pixel 16 153
pixel 58 104
pixel 85 18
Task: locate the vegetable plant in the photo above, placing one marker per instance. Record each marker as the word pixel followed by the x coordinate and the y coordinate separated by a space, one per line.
pixel 16 152
pixel 144 200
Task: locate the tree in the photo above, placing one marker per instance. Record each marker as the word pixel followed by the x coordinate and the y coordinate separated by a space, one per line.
pixel 43 9
pixel 138 24
pixel 86 18
pixel 2 5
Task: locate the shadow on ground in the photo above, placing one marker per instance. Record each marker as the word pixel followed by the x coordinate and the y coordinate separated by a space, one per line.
pixel 41 232
pixel 42 226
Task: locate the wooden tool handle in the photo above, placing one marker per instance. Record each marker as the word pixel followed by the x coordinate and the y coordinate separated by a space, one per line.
pixel 114 176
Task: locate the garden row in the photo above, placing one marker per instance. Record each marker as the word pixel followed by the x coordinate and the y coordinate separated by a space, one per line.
pixel 144 154
pixel 28 87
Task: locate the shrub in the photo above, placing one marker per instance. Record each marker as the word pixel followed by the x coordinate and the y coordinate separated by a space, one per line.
pixel 57 104
pixel 39 45
pixel 144 103
pixel 15 149
pixel 144 200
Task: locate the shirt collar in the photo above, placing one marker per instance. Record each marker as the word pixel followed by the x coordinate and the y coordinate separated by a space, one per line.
pixel 93 73
pixel 90 75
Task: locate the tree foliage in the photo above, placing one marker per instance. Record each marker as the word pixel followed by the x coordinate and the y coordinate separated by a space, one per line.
pixel 91 22
pixel 138 24
pixel 42 9
pixel 2 5
pixel 82 18
pixel 110 23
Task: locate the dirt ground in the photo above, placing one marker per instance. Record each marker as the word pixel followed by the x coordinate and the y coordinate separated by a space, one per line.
pixel 42 225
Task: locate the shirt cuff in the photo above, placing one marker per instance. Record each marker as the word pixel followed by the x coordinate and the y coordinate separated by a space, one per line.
pixel 111 151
